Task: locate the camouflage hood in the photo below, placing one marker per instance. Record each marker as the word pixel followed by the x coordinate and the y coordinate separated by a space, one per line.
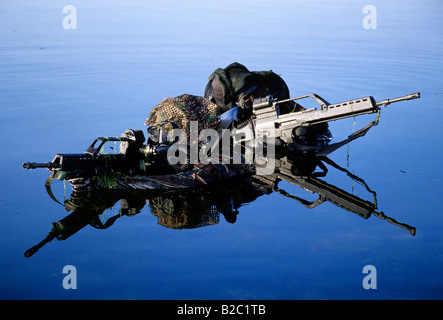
pixel 183 109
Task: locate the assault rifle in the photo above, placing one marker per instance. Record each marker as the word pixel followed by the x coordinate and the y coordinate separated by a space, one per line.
pixel 284 129
pixel 131 159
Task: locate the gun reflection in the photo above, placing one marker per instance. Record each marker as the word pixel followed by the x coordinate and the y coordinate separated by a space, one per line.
pixel 195 208
pixel 286 170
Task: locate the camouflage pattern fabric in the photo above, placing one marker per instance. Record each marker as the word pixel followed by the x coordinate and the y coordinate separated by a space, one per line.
pixel 235 84
pixel 183 109
pixel 183 211
pixel 201 175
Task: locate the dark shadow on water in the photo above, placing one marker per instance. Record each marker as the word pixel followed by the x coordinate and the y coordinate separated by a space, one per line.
pixel 195 208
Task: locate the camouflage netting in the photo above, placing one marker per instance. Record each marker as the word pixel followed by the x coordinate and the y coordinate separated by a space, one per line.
pixel 183 109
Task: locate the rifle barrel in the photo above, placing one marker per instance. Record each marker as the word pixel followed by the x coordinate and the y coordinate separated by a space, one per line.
pixel 411 96
pixel 35 165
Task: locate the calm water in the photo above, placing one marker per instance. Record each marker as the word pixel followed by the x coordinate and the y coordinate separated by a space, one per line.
pixel 59 89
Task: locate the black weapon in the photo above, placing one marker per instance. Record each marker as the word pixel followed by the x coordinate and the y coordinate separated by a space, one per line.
pixel 131 158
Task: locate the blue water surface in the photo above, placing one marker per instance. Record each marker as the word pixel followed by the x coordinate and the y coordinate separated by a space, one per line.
pixel 60 88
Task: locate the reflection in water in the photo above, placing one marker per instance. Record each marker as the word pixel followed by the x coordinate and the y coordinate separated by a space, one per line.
pixel 195 208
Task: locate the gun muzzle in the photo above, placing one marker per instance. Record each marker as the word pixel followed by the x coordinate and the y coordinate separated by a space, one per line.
pixel 412 96
pixel 35 165
pixel 406 97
